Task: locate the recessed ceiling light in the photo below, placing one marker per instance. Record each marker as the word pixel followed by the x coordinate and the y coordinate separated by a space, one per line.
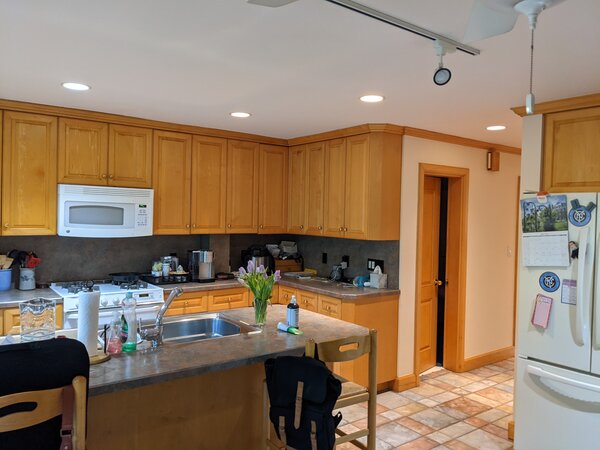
pixel 76 86
pixel 240 114
pixel 371 98
pixel 496 128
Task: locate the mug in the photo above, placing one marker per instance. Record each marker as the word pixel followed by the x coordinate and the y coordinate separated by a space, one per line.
pixel 26 279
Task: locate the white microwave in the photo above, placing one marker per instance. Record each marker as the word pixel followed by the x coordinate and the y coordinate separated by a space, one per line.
pixel 104 212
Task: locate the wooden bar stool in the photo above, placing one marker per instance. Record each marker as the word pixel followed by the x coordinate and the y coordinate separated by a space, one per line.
pixel 43 395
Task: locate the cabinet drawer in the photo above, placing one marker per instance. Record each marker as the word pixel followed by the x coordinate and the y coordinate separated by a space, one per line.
pixel 285 294
pixel 10 322
pixel 238 300
pixel 330 306
pixel 308 300
pixel 231 298
pixel 188 304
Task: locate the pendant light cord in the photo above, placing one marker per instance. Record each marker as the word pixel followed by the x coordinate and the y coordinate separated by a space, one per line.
pixel 531 64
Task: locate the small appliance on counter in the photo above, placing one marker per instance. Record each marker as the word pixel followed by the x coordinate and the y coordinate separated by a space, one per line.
pixel 259 255
pixel 201 266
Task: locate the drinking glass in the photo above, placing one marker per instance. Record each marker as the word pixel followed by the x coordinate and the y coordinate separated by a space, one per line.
pixel 38 319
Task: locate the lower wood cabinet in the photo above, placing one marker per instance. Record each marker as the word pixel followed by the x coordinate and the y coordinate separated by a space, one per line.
pixel 228 299
pixel 285 294
pixel 188 303
pixel 308 300
pixel 10 319
pixel 330 306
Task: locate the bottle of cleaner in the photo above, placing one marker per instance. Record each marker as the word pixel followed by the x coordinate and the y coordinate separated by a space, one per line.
pixel 114 345
pixel 293 313
pixel 129 304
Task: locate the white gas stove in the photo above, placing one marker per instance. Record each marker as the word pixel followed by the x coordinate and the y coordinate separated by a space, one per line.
pixel 149 299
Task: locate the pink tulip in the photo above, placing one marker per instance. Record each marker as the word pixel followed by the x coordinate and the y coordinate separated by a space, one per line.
pixel 277 275
pixel 251 267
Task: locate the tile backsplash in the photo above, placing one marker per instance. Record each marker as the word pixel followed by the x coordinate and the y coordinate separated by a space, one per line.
pixel 67 258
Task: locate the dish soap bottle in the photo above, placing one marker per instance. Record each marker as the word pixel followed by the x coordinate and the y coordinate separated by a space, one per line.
pixel 293 313
pixel 114 345
pixel 129 304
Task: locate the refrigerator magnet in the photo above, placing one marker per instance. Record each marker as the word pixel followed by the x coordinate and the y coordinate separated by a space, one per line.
pixel 580 215
pixel 541 311
pixel 549 281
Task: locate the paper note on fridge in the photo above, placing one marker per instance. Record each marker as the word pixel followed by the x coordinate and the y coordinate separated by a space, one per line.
pixel 545 231
pixel 541 311
pixel 569 292
pixel 550 249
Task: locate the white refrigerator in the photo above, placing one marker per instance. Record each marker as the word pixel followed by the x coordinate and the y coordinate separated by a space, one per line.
pixel 557 384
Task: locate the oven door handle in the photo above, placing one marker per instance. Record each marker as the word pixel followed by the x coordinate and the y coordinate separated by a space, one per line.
pixel 110 311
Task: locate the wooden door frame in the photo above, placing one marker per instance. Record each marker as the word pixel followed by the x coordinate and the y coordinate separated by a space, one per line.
pixel 456 264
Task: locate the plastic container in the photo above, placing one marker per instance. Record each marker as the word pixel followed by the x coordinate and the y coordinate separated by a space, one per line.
pixel 26 279
pixel 293 313
pixel 5 279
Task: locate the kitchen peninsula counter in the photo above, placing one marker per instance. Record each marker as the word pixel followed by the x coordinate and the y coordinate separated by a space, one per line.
pixel 198 395
pixel 12 297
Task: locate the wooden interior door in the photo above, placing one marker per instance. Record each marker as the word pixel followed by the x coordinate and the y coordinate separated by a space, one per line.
pixel 357 189
pixel 272 203
pixel 130 156
pixel 429 246
pixel 172 182
pixel 82 152
pixel 315 187
pixel 242 187
pixel 209 184
pixel 29 160
pixel 335 183
pixel 297 190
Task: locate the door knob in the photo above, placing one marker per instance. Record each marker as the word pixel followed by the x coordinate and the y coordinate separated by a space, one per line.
pixel 438 282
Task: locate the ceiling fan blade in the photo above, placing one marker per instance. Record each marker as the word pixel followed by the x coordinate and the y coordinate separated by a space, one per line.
pixel 271 3
pixel 490 18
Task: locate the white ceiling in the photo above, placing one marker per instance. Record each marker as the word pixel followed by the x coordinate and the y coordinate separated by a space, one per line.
pixel 298 69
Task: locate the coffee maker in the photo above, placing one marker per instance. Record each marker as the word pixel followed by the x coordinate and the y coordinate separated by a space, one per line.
pixel 201 266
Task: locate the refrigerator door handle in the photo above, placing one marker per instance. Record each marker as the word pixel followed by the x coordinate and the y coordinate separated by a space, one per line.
pixel 596 310
pixel 581 326
pixel 554 381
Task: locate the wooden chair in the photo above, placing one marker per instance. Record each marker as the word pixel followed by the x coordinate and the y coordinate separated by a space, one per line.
pixel 343 350
pixel 48 404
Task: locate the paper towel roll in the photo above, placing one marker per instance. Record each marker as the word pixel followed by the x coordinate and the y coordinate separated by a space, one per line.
pixel 87 324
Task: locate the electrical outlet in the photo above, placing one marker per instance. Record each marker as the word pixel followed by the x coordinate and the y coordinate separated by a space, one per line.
pixel 346 259
pixel 344 265
pixel 372 263
pixel 324 258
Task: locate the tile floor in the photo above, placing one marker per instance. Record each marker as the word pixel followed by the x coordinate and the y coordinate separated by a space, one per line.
pixel 459 411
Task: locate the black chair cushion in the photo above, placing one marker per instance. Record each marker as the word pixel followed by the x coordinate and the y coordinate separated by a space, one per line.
pixel 36 366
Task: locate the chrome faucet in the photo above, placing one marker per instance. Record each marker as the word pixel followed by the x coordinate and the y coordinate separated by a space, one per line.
pixel 154 334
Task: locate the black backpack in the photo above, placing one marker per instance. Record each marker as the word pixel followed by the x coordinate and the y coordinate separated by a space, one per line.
pixel 303 392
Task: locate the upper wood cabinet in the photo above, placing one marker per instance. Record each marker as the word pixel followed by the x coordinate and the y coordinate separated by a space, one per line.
pixel 356 188
pixel 571 161
pixel 82 152
pixel 335 184
pixel 297 190
pixel 96 153
pixel 29 158
pixel 172 182
pixel 273 192
pixel 315 188
pixel 242 187
pixel 209 184
pixel 129 156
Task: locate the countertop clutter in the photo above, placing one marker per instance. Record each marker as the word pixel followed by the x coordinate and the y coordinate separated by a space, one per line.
pixel 174 361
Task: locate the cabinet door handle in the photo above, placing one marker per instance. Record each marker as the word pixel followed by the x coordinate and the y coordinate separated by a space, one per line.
pixel 186 303
pixel 320 227
pixel 341 229
pixel 103 176
pixel 193 225
pixel 6 225
pixel 302 227
pixel 261 226
pixel 345 228
pixel 228 225
pixel 111 177
pixel 187 225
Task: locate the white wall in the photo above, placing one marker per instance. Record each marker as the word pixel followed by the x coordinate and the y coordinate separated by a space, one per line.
pixel 492 210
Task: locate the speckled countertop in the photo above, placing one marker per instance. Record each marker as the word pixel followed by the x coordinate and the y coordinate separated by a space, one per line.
pixel 12 297
pixel 172 361
pixel 333 289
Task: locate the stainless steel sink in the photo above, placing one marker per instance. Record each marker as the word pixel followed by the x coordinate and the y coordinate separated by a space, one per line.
pixel 204 326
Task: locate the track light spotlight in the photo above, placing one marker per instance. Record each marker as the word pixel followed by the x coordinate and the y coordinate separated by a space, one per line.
pixel 442 75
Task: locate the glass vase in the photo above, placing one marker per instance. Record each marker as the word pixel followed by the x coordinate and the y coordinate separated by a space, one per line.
pixel 260 311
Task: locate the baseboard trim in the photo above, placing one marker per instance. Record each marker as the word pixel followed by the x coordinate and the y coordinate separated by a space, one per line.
pixel 405 382
pixel 385 386
pixel 484 359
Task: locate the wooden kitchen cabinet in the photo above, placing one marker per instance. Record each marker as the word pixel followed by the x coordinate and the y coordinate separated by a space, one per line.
pixel 95 153
pixel 188 303
pixel 571 161
pixel 129 156
pixel 356 207
pixel 209 184
pixel 172 182
pixel 82 152
pixel 285 294
pixel 297 190
pixel 335 184
pixel 273 189
pixel 242 187
pixel 330 306
pixel 29 160
pixel 228 299
pixel 308 300
pixel 315 188
pixel 10 320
